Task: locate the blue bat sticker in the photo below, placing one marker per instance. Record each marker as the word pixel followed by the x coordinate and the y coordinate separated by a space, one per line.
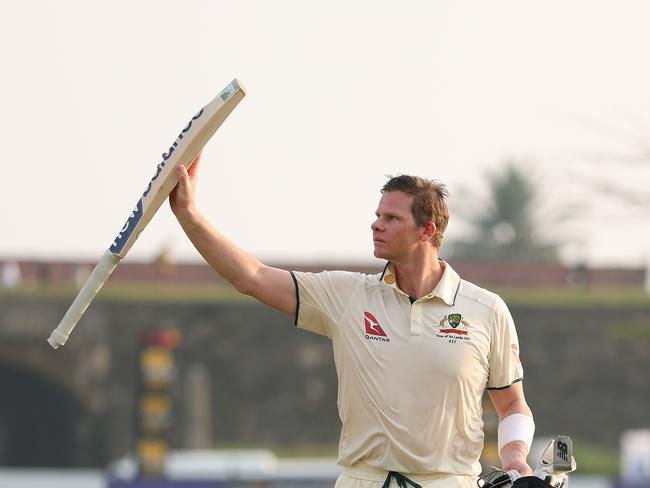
pixel 124 234
pixel 127 230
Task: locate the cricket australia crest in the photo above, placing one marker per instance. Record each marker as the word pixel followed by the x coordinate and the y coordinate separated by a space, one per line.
pixel 453 327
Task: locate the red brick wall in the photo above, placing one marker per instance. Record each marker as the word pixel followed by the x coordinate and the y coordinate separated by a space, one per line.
pixel 482 273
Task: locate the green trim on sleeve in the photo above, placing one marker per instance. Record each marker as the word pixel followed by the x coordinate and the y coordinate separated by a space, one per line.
pixel 295 282
pixel 504 387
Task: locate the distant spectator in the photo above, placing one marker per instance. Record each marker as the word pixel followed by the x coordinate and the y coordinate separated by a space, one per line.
pixel 579 275
pixel 10 275
pixel 165 262
pixel 81 274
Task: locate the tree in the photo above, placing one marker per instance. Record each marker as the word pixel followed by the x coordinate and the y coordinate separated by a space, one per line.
pixel 505 228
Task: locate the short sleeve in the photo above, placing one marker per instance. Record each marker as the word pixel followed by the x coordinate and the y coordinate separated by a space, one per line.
pixel 505 365
pixel 322 298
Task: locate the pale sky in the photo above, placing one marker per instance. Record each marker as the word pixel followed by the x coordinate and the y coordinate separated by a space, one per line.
pixel 340 94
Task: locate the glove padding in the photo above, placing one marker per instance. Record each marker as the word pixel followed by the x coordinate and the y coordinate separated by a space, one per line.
pixel 530 482
pixel 495 479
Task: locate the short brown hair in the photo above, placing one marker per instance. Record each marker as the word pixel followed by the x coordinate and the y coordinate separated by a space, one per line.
pixel 429 201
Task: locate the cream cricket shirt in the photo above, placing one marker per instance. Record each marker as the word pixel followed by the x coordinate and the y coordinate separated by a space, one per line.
pixel 411 376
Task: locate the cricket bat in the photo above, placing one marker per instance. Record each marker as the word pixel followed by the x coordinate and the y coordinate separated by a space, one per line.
pixel 183 151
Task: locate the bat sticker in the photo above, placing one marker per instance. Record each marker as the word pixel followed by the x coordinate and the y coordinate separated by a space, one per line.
pixel 124 234
pixel 229 90
pixel 127 230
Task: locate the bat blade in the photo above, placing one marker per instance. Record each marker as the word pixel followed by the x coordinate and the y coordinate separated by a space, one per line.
pixel 186 146
pixel 184 149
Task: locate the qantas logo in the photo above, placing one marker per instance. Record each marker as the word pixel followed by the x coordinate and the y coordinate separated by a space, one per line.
pixel 373 329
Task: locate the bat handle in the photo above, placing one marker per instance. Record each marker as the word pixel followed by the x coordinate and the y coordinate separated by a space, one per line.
pixel 93 284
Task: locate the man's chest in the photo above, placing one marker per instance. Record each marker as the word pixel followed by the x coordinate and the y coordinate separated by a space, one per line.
pixel 427 338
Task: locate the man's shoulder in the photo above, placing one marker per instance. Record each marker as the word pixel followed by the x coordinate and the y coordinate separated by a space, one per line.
pixel 367 279
pixel 344 276
pixel 476 294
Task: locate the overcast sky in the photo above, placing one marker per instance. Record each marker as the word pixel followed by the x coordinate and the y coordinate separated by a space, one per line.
pixel 340 93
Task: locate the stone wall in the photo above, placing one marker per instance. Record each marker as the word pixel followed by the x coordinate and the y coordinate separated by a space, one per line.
pixel 272 385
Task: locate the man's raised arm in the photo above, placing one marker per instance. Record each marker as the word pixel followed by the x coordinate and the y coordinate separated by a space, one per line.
pixel 272 286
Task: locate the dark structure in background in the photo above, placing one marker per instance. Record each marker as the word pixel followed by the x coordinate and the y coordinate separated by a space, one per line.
pixel 267 384
pixel 155 399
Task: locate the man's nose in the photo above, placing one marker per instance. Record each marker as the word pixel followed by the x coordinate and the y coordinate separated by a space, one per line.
pixel 376 225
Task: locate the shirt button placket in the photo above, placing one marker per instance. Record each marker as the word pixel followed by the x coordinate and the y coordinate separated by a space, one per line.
pixel 416 319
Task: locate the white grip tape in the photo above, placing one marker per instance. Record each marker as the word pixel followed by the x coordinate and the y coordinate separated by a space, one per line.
pixel 516 427
pixel 93 284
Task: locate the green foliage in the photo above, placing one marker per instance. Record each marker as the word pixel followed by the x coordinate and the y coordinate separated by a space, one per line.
pixel 144 292
pixel 635 330
pixel 596 460
pixel 287 451
pixel 620 297
pixel 505 229
pixel 534 297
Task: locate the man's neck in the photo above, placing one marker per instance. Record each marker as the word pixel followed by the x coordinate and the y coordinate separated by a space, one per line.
pixel 418 277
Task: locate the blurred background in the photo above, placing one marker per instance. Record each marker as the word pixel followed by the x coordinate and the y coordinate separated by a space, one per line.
pixel 534 114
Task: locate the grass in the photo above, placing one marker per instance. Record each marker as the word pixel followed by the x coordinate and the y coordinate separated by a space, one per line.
pixel 533 297
pixel 591 459
pixel 596 460
pixel 138 293
pixel 573 297
pixel 283 451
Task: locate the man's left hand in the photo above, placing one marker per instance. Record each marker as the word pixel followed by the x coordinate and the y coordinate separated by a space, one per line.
pixel 513 456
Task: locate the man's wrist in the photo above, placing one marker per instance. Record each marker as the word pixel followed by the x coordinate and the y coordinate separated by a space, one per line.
pixel 187 214
pixel 513 456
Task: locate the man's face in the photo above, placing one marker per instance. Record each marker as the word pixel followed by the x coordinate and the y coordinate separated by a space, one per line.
pixel 395 233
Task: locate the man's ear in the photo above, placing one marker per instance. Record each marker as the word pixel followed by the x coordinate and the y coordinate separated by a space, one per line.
pixel 428 231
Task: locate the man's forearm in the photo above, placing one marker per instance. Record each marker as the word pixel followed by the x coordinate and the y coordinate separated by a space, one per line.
pixel 516 428
pixel 513 453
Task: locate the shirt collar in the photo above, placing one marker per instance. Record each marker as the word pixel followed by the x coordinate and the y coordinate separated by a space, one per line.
pixel 446 289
